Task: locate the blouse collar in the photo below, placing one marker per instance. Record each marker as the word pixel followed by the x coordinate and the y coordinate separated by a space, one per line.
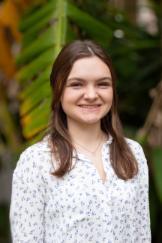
pixel 47 147
pixel 84 157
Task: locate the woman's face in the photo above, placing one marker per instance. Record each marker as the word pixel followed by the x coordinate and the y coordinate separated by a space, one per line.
pixel 88 92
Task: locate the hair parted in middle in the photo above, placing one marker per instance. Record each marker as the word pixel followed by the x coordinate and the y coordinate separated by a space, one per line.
pixel 121 156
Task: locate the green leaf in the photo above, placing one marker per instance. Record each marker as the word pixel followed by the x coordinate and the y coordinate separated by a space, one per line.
pixel 42 43
pixel 34 86
pixel 38 29
pixel 96 29
pixel 37 65
pixel 37 15
pixel 35 98
pixel 37 119
pixel 37 58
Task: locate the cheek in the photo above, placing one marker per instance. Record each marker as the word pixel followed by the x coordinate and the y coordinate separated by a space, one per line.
pixel 67 99
pixel 70 97
pixel 108 96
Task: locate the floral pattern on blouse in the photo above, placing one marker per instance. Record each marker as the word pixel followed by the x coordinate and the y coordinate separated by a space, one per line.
pixel 79 207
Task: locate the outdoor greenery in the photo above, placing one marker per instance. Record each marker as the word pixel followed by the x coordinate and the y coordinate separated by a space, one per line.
pixel 45 27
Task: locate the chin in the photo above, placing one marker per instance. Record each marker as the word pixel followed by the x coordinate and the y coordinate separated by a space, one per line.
pixel 90 121
pixel 86 119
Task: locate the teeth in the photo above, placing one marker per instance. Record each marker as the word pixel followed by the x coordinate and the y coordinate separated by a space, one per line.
pixel 89 106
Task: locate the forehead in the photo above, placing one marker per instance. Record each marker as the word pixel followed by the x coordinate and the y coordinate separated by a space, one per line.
pixel 89 67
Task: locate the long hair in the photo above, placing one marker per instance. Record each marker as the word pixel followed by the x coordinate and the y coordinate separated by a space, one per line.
pixel 121 156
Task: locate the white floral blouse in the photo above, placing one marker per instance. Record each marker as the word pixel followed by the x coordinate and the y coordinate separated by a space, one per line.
pixel 78 208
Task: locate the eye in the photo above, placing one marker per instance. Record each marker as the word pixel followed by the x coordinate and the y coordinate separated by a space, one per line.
pixel 104 84
pixel 75 84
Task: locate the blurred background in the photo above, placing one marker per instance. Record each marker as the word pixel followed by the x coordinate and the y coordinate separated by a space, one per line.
pixel 31 35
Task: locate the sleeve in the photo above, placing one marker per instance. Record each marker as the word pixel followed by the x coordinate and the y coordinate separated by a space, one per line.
pixel 27 201
pixel 142 212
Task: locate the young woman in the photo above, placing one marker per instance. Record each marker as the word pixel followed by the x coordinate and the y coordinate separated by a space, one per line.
pixel 84 182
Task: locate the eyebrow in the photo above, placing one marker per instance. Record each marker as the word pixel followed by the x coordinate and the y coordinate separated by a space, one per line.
pixel 83 80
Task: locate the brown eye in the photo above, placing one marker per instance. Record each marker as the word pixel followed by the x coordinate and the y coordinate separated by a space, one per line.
pixel 75 84
pixel 103 84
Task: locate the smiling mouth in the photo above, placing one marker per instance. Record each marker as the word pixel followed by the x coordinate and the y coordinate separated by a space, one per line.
pixel 90 106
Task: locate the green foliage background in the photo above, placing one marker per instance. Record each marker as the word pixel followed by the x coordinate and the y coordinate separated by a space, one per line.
pixel 47 26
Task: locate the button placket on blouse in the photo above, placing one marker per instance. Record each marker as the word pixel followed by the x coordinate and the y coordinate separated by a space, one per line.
pixel 108 182
pixel 102 195
pixel 103 190
pixel 105 200
pixel 104 187
pixel 95 173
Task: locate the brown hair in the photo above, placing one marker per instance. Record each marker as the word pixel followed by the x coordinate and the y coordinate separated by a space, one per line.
pixel 122 159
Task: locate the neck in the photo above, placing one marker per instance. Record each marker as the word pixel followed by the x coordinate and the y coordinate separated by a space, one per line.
pixel 85 134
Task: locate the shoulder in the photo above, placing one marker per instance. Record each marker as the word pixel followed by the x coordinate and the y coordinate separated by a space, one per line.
pixel 138 152
pixel 134 145
pixel 136 148
pixel 34 156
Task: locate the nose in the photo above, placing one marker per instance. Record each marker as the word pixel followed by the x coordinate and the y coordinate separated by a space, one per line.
pixel 90 93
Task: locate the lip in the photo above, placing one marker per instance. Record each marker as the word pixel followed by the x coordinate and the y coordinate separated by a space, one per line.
pixel 86 107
